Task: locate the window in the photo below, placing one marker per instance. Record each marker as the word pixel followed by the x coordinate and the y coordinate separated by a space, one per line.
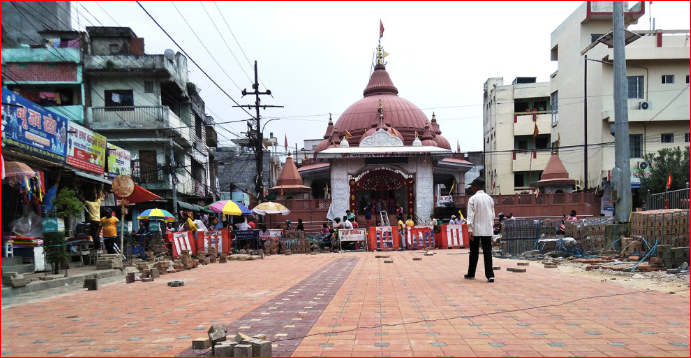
pixel 594 37
pixel 687 78
pixel 635 145
pixel 518 180
pixel 148 86
pixel 554 97
pixel 114 49
pixel 542 142
pixel 667 138
pixel 148 166
pixel 522 144
pixel 119 98
pixel 686 137
pixel 667 78
pixel 635 84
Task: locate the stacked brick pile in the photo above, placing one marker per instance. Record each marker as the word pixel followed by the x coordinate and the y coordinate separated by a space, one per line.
pixel 239 345
pixel 163 266
pixel 667 227
pixel 213 254
pixel 109 261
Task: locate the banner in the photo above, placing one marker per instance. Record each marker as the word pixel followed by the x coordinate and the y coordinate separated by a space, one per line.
pixel 213 239
pixel 352 235
pixel 118 162
pixel 33 128
pixel 86 149
pixel 444 200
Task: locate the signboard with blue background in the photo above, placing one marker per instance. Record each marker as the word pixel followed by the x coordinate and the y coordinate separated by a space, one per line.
pixel 32 127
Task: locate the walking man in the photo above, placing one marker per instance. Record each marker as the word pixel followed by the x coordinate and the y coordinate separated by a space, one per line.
pixel 480 228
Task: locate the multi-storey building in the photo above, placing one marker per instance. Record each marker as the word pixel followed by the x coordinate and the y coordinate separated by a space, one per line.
pixel 146 104
pixel 515 153
pixel 657 68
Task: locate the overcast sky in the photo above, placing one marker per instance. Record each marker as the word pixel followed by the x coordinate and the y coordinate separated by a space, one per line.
pixel 315 57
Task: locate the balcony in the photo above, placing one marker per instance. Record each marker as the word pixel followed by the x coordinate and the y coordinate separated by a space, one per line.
pixel 211 137
pixel 140 119
pixel 524 122
pixel 152 178
pixel 52 54
pixel 527 160
pixel 134 65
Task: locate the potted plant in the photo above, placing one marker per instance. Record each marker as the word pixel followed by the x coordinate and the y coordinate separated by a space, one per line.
pixel 67 206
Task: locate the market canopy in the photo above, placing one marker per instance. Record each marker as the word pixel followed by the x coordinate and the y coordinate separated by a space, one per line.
pixel 230 207
pixel 140 195
pixel 270 208
pixel 157 214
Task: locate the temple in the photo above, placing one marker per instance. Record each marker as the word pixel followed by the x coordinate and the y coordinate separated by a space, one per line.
pixel 384 150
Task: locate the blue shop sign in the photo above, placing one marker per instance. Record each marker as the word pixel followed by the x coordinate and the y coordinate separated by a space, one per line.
pixel 246 234
pixel 33 128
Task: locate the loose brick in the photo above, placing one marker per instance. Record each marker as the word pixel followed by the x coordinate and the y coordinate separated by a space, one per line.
pixel 496 268
pixel 261 348
pixel 417 258
pixel 201 343
pixel 551 265
pixel 515 269
pixel 242 350
pixel 523 263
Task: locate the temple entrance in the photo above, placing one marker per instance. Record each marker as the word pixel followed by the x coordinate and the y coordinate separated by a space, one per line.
pixel 384 189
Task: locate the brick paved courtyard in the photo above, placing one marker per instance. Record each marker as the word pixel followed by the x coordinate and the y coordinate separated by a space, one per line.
pixel 354 304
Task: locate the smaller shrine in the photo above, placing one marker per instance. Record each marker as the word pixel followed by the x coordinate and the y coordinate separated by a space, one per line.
pixel 289 184
pixel 555 178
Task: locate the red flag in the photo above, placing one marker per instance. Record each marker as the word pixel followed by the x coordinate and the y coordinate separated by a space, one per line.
pixel 669 181
pixel 381 29
pixel 286 142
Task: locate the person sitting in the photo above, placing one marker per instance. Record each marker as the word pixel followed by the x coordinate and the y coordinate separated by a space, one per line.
pixel 289 225
pixel 325 229
pixel 263 231
pixel 300 226
pixel 347 224
pixel 572 216
pixel 410 222
pixel 349 215
pixel 353 223
pixel 251 223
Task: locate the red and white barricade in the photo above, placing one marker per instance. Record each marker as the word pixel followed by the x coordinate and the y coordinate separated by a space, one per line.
pixel 384 237
pixel 419 237
pixel 217 239
pixel 181 241
pixel 454 236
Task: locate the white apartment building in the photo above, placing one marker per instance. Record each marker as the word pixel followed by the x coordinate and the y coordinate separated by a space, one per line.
pixel 514 158
pixel 658 91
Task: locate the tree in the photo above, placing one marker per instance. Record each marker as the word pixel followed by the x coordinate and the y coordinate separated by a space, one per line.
pixel 665 161
pixel 67 205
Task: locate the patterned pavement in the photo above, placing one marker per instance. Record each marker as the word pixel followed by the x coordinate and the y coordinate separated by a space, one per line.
pixel 354 304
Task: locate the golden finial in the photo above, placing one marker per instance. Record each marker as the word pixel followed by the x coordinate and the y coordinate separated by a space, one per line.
pixel 380 55
pixel 415 134
pixel 288 154
pixel 434 117
pixel 380 108
pixel 330 121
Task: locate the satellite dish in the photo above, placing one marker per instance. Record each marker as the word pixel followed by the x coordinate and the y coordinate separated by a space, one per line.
pixel 169 55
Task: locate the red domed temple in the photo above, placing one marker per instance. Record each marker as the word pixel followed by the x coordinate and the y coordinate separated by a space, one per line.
pixel 384 150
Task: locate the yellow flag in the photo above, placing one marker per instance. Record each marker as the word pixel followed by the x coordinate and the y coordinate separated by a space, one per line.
pixel 460 213
pixel 348 135
pixel 281 191
pixel 384 53
pixel 535 131
pixel 452 185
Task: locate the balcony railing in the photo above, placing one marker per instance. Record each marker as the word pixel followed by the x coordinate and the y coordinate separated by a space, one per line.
pixel 306 205
pixel 140 117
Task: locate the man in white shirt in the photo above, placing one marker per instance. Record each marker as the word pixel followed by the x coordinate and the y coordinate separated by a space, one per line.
pixel 480 228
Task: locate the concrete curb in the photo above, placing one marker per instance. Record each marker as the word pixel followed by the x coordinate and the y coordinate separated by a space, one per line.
pixel 37 286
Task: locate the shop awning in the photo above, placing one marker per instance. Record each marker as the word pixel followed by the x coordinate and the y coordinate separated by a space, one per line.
pixel 93 177
pixel 140 195
pixel 191 207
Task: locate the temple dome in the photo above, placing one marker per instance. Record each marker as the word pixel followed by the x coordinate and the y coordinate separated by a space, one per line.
pixel 362 118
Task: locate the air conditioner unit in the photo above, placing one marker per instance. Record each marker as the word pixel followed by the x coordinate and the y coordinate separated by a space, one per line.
pixel 645 105
pixel 643 165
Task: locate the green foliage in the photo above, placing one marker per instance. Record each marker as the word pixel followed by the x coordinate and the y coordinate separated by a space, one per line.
pixel 67 203
pixel 110 65
pixel 193 89
pixel 55 250
pixel 665 161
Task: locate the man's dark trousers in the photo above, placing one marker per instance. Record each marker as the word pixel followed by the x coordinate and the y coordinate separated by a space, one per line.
pixel 486 253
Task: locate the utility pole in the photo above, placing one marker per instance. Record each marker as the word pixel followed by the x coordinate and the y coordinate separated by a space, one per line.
pixel 585 123
pixel 622 167
pixel 258 138
pixel 173 177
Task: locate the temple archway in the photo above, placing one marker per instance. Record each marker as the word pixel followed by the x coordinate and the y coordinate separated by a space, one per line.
pixel 383 188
